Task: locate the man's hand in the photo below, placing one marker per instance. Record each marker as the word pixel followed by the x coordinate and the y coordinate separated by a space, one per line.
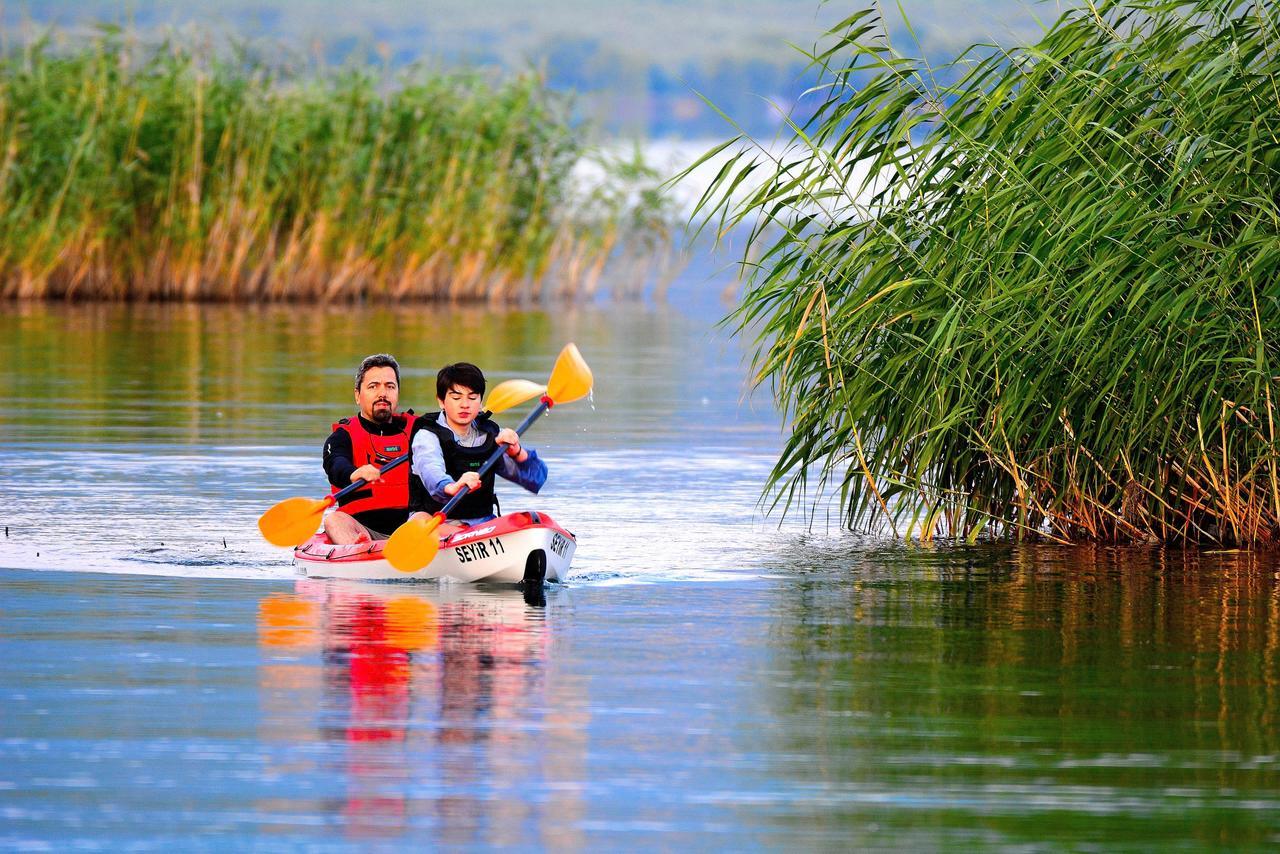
pixel 470 480
pixel 366 472
pixel 510 438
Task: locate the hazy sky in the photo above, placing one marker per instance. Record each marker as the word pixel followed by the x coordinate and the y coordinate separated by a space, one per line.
pixel 635 63
pixel 664 28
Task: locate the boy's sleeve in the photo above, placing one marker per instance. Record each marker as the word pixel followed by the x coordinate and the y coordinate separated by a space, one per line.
pixel 428 464
pixel 531 474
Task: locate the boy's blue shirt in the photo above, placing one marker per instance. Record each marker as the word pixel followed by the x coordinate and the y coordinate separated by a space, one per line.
pixel 428 464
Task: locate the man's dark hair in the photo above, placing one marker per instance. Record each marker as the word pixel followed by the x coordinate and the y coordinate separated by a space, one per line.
pixel 377 360
pixel 462 374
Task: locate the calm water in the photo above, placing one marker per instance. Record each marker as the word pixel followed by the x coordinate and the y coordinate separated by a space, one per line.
pixel 703 679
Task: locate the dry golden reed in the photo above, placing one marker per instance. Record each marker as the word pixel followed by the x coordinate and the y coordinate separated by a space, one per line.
pixel 1035 292
pixel 133 172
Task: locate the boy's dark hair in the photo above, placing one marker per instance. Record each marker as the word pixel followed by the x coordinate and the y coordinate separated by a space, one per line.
pixel 462 374
pixel 377 360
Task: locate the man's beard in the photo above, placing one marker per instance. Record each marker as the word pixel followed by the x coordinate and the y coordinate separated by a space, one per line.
pixel 381 415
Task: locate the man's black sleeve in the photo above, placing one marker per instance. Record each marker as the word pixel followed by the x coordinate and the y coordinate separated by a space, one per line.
pixel 337 458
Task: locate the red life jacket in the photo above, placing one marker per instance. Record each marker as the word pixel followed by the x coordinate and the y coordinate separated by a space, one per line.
pixel 393 492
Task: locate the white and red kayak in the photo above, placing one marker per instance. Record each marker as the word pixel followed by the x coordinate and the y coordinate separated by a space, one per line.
pixel 527 546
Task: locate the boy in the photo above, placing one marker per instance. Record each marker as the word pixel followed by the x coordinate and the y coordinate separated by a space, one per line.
pixel 450 448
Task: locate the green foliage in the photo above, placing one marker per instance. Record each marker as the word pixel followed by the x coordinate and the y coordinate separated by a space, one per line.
pixel 130 171
pixel 1044 300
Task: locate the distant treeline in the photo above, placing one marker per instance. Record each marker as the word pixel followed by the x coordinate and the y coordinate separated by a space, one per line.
pixel 162 172
pixel 636 64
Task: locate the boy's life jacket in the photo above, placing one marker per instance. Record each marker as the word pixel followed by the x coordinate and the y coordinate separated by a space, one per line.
pixel 459 460
pixel 392 492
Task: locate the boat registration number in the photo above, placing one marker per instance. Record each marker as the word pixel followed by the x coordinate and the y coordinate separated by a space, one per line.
pixel 479 551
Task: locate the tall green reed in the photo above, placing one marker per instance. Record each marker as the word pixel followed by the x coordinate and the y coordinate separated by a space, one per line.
pixel 129 171
pixel 1035 292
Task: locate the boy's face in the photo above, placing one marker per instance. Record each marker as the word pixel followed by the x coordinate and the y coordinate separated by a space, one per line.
pixel 461 405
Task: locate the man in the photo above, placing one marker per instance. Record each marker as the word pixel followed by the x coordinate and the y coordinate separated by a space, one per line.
pixel 449 449
pixel 359 446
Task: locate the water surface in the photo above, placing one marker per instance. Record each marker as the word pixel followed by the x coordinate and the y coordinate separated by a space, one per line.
pixel 703 679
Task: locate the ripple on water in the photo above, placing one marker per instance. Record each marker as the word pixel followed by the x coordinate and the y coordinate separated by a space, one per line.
pixel 159 511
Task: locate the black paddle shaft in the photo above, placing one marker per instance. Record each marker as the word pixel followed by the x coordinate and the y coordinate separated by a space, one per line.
pixel 495 456
pixel 359 483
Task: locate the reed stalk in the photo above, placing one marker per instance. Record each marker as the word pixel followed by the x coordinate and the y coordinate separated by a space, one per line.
pixel 1049 278
pixel 140 172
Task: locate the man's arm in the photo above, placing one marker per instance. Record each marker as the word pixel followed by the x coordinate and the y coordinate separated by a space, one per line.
pixel 428 464
pixel 337 458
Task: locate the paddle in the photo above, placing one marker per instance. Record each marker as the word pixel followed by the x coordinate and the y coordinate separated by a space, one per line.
pixel 294 520
pixel 415 543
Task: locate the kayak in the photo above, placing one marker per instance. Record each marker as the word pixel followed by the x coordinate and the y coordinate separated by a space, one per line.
pixel 525 547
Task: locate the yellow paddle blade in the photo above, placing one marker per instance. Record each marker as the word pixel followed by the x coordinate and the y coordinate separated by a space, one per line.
pixel 413 544
pixel 570 378
pixel 292 521
pixel 511 393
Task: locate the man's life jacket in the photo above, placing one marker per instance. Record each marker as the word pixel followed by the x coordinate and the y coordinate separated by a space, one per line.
pixel 392 493
pixel 459 460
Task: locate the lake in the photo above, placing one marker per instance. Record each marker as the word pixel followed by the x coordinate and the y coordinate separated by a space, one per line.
pixel 705 677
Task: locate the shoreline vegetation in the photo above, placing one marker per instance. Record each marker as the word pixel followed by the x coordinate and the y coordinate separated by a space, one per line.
pixel 1042 302
pixel 131 171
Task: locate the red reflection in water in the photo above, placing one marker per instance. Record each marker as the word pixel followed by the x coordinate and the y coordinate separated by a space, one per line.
pixel 377 671
pixel 428 686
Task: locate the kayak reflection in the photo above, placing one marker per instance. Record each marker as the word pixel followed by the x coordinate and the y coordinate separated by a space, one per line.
pixel 430 699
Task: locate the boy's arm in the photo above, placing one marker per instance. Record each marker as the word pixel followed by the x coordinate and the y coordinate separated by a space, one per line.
pixel 531 474
pixel 428 464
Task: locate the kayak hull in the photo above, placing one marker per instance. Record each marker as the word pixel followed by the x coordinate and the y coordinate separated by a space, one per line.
pixel 517 547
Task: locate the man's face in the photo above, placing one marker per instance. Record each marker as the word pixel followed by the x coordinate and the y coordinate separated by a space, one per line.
pixel 378 394
pixel 461 405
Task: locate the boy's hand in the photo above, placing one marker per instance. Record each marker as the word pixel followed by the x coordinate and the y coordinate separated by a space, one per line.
pixel 510 438
pixel 366 472
pixel 470 480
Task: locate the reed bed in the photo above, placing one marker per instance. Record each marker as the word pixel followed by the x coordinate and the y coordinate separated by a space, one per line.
pixel 130 171
pixel 1041 300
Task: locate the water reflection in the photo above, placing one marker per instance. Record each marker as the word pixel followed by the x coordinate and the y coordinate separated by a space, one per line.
pixel 181 424
pixel 430 707
pixel 1021 682
pixel 195 374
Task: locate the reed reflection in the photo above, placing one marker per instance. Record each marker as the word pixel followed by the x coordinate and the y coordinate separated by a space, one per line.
pixel 208 374
pixel 1070 679
pixel 429 703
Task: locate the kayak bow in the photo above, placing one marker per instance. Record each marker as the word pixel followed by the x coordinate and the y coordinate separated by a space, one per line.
pixel 527 546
